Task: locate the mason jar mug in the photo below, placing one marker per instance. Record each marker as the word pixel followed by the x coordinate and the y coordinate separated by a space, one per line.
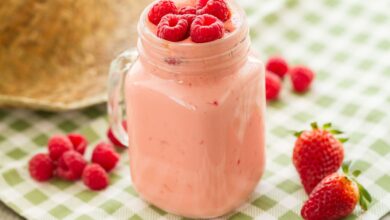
pixel 195 120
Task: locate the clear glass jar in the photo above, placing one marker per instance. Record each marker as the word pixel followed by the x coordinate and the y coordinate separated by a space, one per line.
pixel 195 115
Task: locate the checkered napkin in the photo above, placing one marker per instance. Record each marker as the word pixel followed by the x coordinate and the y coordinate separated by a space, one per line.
pixel 347 43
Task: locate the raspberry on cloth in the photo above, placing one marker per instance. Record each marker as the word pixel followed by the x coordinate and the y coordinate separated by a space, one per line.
pixel 71 166
pixel 95 177
pixel 41 167
pixel 301 78
pixel 278 66
pixel 105 155
pixel 273 86
pixel 79 142
pixel 57 145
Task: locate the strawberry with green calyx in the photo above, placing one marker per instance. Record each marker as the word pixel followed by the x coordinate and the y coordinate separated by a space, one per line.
pixel 336 196
pixel 317 153
pixel 365 198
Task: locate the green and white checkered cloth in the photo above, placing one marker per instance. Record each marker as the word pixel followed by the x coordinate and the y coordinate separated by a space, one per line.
pixel 346 42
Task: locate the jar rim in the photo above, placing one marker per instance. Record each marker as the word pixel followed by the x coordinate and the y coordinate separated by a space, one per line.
pixel 194 58
pixel 143 30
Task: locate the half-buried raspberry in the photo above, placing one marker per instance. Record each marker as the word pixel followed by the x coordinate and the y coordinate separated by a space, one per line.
pixel 187 10
pixel 206 28
pixel 105 155
pixel 172 28
pixel 41 167
pixel 71 166
pixel 95 177
pixel 188 13
pixel 160 9
pixel 190 18
pixel 79 142
pixel 218 8
pixel 58 144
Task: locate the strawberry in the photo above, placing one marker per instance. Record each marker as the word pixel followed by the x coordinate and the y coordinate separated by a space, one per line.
pixel 317 153
pixel 336 197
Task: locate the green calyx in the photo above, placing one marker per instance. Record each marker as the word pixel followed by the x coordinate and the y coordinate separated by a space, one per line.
pixel 297 133
pixel 364 196
pixel 327 127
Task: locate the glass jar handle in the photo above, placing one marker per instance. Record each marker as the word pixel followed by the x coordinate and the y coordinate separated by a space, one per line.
pixel 117 73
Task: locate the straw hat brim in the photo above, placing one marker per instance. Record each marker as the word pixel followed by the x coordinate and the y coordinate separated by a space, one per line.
pixel 32 78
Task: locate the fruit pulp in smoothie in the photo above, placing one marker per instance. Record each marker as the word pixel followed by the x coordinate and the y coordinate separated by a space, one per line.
pixel 196 142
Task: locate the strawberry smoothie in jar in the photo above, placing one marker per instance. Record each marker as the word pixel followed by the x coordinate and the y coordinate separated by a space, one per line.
pixel 195 114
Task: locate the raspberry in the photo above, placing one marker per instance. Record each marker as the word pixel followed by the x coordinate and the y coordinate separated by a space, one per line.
pixel 95 177
pixel 112 137
pixel 71 166
pixel 58 145
pixel 190 18
pixel 41 167
pixel 105 156
pixel 218 8
pixel 160 9
pixel 79 142
pixel 201 3
pixel 301 78
pixel 278 66
pixel 173 28
pixel 188 13
pixel 206 28
pixel 187 10
pixel 273 86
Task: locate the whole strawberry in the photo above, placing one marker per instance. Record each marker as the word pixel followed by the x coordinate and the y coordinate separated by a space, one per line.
pixel 335 197
pixel 317 153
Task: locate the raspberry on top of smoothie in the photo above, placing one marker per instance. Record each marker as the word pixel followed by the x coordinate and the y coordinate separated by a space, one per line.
pixel 197 21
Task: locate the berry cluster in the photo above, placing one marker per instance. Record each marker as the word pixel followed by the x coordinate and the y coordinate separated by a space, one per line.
pixel 202 22
pixel 318 154
pixel 277 68
pixel 65 160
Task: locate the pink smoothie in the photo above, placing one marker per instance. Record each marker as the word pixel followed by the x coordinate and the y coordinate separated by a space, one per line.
pixel 196 120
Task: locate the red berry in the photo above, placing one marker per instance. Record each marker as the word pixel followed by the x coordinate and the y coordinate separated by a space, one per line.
pixel 41 167
pixel 112 137
pixel 95 177
pixel 206 28
pixel 160 9
pixel 317 153
pixel 71 166
pixel 105 156
pixel 201 3
pixel 278 66
pixel 273 86
pixel 190 18
pixel 334 197
pixel 172 28
pixel 301 78
pixel 79 142
pixel 58 144
pixel 218 8
pixel 187 10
